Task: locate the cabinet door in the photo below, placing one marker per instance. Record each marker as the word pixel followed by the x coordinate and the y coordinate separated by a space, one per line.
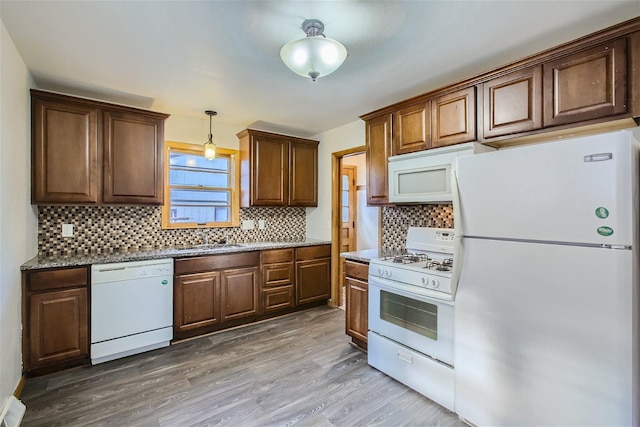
pixel 412 129
pixel 313 280
pixel 357 308
pixel 303 179
pixel 58 329
pixel 133 158
pixel 453 118
pixel 378 140
pixel 269 171
pixel 196 301
pixel 64 156
pixel 586 85
pixel 513 103
pixel 239 293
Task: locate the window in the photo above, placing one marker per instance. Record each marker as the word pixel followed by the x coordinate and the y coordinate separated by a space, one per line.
pixel 198 192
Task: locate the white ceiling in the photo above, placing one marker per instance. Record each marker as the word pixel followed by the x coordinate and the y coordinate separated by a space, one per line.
pixel 183 57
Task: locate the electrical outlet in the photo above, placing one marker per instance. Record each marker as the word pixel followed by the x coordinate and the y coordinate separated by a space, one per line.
pixel 261 224
pixel 248 224
pixel 67 230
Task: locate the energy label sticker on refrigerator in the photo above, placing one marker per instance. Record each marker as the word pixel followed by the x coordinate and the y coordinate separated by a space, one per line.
pixel 602 212
pixel 605 231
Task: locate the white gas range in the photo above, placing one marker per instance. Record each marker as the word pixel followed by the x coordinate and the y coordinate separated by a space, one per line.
pixel 411 313
pixel 425 266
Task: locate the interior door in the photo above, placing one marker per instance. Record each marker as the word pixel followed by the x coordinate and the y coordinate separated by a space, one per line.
pixel 348 208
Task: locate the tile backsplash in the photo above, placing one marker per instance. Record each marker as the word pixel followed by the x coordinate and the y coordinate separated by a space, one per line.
pixel 396 220
pixel 130 228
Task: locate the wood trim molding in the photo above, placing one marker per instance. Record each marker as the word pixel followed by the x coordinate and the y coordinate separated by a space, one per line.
pixel 19 387
pixel 336 273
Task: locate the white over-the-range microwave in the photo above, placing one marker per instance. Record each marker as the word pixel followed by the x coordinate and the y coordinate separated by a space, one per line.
pixel 425 176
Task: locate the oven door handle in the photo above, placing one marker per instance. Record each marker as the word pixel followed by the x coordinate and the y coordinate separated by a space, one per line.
pixel 426 295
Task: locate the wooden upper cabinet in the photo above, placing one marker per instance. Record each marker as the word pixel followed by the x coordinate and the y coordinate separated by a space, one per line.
pixel 133 158
pixel 269 171
pixel 513 103
pixel 453 118
pixel 412 128
pixel 586 85
pixel 277 170
pixel 92 152
pixel 64 152
pixel 303 174
pixel 378 143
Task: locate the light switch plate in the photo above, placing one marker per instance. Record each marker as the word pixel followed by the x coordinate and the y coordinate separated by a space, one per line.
pixel 67 230
pixel 248 224
pixel 261 224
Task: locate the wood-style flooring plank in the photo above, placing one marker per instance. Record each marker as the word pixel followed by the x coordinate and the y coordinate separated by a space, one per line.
pixel 295 370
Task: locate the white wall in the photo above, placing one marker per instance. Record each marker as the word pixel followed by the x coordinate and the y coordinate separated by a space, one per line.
pixel 195 130
pixel 18 219
pixel 366 216
pixel 338 139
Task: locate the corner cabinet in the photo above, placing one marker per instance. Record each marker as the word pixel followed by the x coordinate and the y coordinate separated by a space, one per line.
pixel 55 319
pixel 277 170
pixel 91 152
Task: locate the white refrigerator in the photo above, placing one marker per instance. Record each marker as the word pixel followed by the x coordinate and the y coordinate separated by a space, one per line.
pixel 546 320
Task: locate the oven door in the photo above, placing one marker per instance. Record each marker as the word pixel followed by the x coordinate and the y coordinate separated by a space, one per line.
pixel 413 320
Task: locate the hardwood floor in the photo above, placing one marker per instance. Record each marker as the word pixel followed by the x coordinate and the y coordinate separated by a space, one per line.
pixel 295 370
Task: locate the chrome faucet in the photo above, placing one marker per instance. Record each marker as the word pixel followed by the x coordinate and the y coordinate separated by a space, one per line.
pixel 205 236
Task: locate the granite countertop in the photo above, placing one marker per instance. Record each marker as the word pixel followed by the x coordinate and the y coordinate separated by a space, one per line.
pixel 364 256
pixel 52 261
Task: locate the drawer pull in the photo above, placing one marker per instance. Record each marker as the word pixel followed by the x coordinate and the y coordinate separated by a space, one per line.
pixel 405 358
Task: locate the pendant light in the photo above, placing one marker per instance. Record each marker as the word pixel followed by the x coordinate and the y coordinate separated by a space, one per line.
pixel 209 146
pixel 314 55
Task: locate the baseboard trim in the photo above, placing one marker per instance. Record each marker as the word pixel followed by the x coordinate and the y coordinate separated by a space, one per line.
pixel 19 387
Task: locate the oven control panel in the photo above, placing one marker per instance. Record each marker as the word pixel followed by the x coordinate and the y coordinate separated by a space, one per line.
pixel 411 277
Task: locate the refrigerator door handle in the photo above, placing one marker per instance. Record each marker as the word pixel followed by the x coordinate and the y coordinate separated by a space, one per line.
pixel 458 231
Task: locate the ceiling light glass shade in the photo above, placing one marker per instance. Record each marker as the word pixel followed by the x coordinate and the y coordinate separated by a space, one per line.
pixel 315 55
pixel 209 149
pixel 209 146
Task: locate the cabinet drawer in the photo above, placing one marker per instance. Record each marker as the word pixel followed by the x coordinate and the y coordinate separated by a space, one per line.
pixel 216 262
pixel 277 274
pixel 311 252
pixel 274 299
pixel 357 270
pixel 277 255
pixel 57 279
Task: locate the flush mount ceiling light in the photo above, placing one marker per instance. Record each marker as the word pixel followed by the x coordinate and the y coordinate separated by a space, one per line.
pixel 314 55
pixel 209 146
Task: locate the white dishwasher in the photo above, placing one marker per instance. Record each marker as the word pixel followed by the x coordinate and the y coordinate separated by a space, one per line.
pixel 131 308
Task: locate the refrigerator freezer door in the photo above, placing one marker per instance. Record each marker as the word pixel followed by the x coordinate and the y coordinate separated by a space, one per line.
pixel 577 191
pixel 547 341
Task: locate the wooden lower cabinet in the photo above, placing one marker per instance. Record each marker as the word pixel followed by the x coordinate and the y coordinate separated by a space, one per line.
pixel 357 302
pixel 239 296
pixel 55 319
pixel 313 274
pixel 277 292
pixel 196 301
pixel 215 292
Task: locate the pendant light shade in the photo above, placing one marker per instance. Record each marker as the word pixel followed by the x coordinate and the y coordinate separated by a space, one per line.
pixel 209 146
pixel 314 55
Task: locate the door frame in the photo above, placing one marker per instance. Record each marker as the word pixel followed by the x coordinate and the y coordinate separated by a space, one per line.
pixel 336 223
